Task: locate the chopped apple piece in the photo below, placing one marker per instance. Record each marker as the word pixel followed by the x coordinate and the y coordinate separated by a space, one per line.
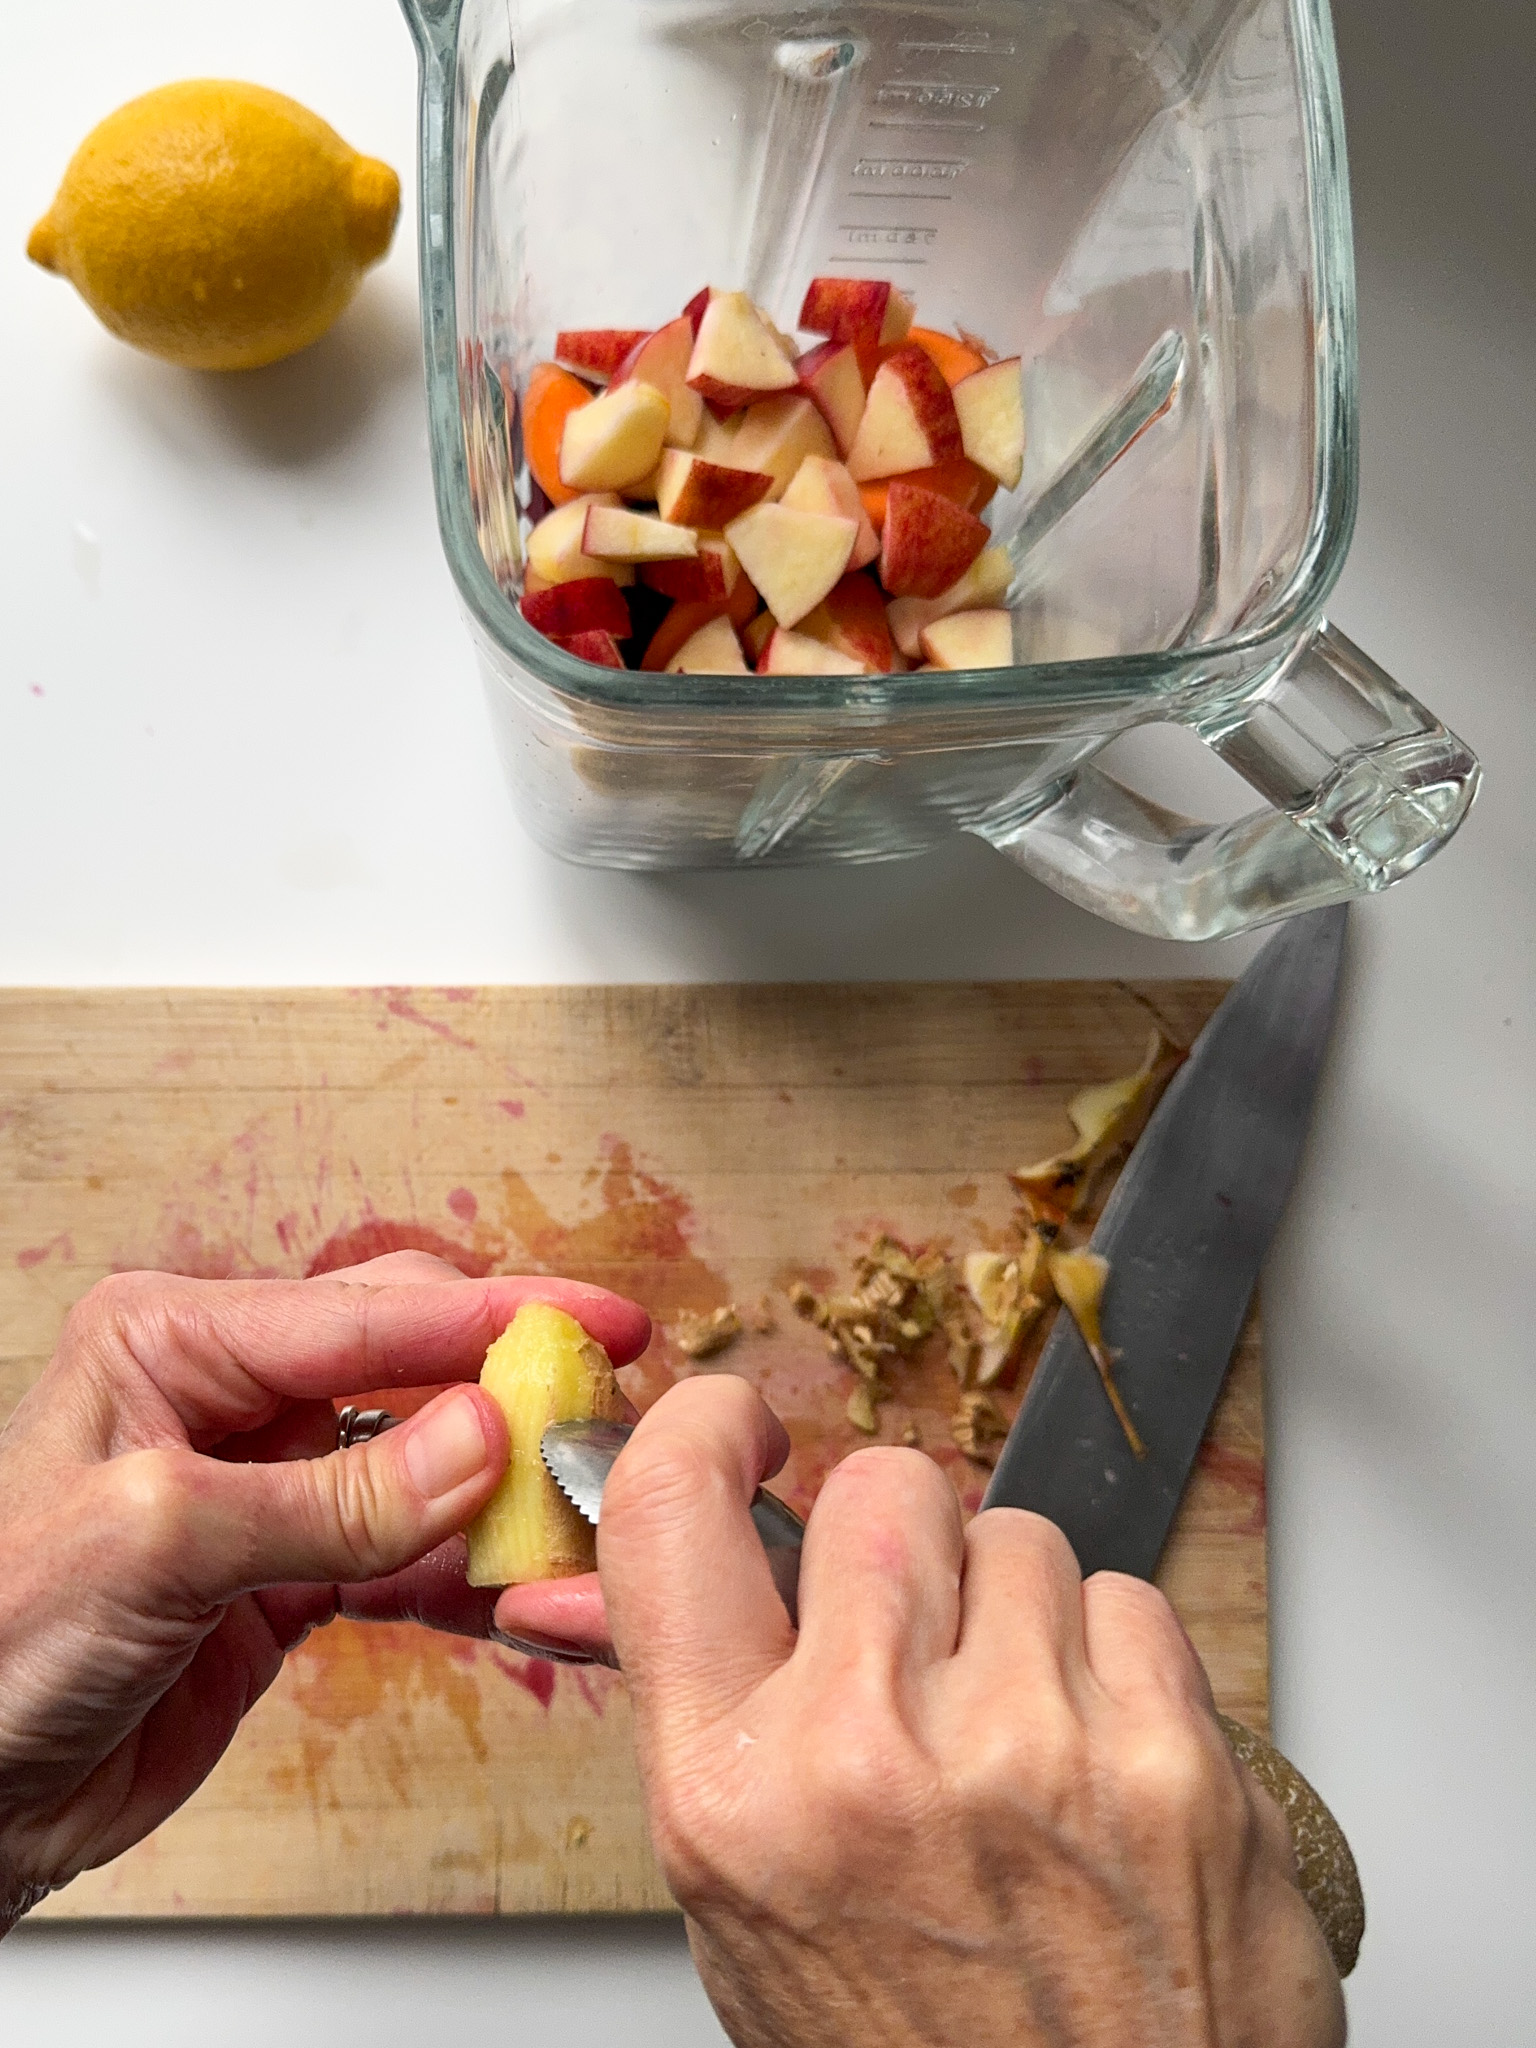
pixel 970 640
pixel 928 542
pixel 990 407
pixel 794 558
pixel 716 438
pixel 693 312
pixel 691 491
pixel 614 441
pixel 797 654
pixel 830 375
pixel 777 434
pixel 614 535
pixel 851 618
pixel 713 650
pixel 711 574
pixel 544 1368
pixel 602 649
pixel 984 583
pixel 554 546
pixel 909 419
pixel 756 634
pixel 736 354
pixel 591 604
pixel 896 324
pixel 596 351
pixel 822 486
pixel 850 309
pixel 661 360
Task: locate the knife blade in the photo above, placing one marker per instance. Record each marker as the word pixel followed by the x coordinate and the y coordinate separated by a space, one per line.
pixel 1185 1232
pixel 578 1456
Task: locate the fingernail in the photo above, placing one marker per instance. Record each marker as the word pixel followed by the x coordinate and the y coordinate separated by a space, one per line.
pixel 550 1653
pixel 446 1447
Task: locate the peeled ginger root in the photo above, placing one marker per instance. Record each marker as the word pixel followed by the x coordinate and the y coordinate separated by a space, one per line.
pixel 543 1368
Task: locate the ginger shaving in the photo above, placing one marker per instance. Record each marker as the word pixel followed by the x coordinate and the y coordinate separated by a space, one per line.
pixel 1108 1118
pixel 979 1427
pixel 1009 1292
pixel 1079 1279
pixel 703 1336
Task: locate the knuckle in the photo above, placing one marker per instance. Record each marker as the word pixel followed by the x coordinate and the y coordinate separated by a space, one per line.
pixel 1170 1770
pixel 151 1503
pixel 357 1508
pixel 861 1770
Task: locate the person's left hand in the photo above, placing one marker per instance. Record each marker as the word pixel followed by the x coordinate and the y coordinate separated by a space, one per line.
pixel 175 1517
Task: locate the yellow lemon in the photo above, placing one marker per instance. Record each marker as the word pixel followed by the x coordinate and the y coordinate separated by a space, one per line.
pixel 216 224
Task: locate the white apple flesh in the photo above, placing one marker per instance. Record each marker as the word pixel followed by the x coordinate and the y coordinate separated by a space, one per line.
pixel 615 535
pixel 990 407
pixel 793 558
pixel 909 419
pixel 822 486
pixel 736 355
pixel 614 441
pixel 978 639
pixel 796 654
pixel 713 650
pixel 555 553
pixel 661 360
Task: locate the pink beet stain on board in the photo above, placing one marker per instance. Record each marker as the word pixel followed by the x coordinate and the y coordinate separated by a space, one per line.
pixel 536 1675
pixel 397 1001
pixel 186 1250
pixel 513 1109
pixel 463 1205
pixel 1243 1470
pixel 61 1247
pixel 378 1235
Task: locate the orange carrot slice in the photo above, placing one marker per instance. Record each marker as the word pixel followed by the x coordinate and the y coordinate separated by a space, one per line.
pixel 552 396
pixel 953 359
pixel 963 482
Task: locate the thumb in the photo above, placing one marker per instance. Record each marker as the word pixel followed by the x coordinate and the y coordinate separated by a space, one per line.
pixel 357 1514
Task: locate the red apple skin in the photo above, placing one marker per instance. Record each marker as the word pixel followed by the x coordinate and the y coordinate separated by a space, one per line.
pixel 601 648
pixel 831 378
pixel 590 604
pixel 714 495
pixel 632 365
pixel 598 351
pixel 928 542
pixel 697 581
pixel 851 618
pixel 847 309
pixel 929 397
pixel 693 312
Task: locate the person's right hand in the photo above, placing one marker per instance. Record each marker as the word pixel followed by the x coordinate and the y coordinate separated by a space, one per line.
pixel 975 1801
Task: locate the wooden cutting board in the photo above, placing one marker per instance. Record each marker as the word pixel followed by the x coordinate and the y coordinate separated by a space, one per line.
pixel 689 1146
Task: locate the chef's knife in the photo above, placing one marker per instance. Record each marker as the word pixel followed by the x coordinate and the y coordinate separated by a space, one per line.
pixel 1185 1231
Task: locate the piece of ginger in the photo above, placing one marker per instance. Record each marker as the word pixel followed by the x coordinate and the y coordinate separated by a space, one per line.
pixel 543 1368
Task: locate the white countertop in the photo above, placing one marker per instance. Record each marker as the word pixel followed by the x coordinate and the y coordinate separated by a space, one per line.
pixel 241 741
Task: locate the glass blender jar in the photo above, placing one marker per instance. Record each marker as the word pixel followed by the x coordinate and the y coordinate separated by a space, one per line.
pixel 1146 201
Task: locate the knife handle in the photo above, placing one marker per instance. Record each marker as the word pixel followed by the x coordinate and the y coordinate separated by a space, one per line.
pixel 1325 1868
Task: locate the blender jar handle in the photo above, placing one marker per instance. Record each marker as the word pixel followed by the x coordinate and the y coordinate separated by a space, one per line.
pixel 1364 785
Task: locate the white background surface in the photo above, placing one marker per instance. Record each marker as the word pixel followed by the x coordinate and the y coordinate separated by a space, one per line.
pixel 241 741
